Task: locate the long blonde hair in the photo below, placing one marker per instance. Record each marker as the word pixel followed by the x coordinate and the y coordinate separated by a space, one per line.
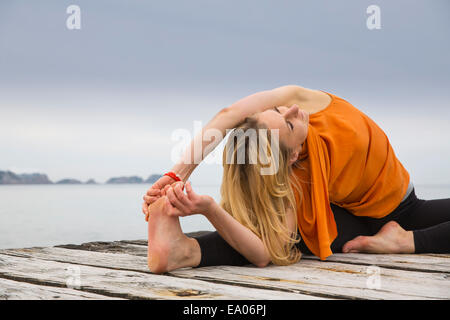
pixel 259 202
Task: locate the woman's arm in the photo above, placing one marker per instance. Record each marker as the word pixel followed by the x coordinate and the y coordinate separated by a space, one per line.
pixel 234 233
pixel 229 118
pixel 214 132
pixel 238 236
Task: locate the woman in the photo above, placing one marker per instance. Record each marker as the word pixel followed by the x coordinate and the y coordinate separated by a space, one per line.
pixel 338 186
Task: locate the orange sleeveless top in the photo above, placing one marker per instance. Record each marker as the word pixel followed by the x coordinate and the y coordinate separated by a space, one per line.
pixel 348 161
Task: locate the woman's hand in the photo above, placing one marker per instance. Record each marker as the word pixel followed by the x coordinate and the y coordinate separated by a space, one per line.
pixel 189 203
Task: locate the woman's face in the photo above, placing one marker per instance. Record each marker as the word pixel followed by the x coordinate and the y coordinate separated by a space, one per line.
pixel 292 123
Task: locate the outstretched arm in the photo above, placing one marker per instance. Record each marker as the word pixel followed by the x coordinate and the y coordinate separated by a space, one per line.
pixel 241 238
pixel 229 118
pixel 215 130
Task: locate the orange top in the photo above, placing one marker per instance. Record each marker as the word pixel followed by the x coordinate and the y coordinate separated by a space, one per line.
pixel 349 162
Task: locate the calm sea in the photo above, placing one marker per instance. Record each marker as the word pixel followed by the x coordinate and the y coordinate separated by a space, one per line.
pixel 46 215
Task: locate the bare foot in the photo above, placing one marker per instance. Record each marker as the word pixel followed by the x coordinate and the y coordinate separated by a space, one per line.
pixel 391 238
pixel 168 247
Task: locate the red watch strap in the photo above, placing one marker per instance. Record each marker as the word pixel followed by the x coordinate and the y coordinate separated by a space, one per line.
pixel 172 175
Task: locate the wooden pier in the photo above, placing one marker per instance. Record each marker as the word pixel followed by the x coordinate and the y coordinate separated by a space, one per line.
pixel 118 270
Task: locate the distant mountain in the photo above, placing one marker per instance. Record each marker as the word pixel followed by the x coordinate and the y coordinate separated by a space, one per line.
pixel 69 181
pixel 153 178
pixel 132 179
pixel 8 177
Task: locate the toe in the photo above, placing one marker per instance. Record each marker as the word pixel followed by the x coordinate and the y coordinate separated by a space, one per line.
pixel 356 245
pixel 347 246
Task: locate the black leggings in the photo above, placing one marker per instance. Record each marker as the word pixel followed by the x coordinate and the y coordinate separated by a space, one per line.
pixel 429 220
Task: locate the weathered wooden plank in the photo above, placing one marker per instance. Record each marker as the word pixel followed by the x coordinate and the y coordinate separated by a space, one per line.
pixel 109 247
pixel 412 262
pixel 138 242
pixel 107 260
pixel 332 280
pixel 128 284
pixel 442 255
pixel 321 278
pixel 15 290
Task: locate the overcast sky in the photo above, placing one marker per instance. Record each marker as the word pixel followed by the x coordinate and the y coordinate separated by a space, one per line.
pixel 104 100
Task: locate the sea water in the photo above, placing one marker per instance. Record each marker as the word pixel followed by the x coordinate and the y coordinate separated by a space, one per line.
pixel 47 215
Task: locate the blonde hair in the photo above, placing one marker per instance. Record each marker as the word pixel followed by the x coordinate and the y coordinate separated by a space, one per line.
pixel 259 202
